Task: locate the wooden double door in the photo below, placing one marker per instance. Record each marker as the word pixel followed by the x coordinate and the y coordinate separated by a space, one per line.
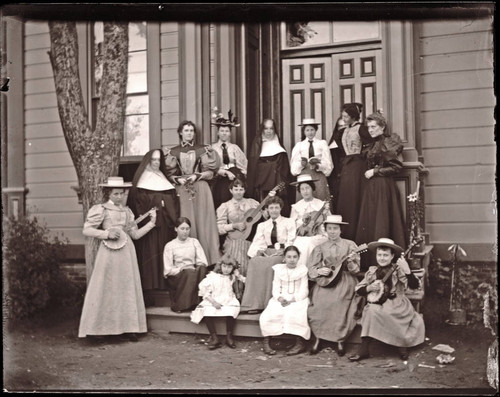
pixel 318 87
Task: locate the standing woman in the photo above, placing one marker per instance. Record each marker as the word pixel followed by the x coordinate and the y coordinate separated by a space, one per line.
pixel 312 156
pixel 268 165
pixel 234 162
pixel 151 188
pixel 113 302
pixel 189 166
pixel 338 153
pixel 353 168
pixel 380 213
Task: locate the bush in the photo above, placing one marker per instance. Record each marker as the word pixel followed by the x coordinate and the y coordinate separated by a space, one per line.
pixel 35 283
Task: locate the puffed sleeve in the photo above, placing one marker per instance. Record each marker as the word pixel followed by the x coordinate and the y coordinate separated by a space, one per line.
pixel 368 279
pixel 205 287
pixel 326 164
pixel 171 165
pixel 95 216
pixel 132 229
pixel 390 166
pixel 201 258
pixel 210 163
pixel 353 262
pixel 315 262
pixel 259 241
pixel 295 216
pixel 168 261
pixel 241 159
pixel 303 290
pixel 296 160
pixel 291 232
pixel 222 219
pixel 276 283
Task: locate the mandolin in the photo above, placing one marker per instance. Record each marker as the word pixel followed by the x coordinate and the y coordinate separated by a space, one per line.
pixel 381 295
pixel 310 228
pixel 252 216
pixel 120 242
pixel 330 281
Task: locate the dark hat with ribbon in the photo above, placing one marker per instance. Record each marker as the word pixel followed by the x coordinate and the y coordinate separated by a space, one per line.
pixel 220 121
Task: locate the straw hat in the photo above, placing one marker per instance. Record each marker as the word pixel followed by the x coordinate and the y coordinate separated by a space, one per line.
pixel 385 242
pixel 336 219
pixel 303 178
pixel 116 182
pixel 308 122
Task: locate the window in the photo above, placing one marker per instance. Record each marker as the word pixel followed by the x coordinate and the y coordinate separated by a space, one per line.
pixel 136 132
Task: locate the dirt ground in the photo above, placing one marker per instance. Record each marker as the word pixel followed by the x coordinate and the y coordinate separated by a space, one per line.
pixel 53 358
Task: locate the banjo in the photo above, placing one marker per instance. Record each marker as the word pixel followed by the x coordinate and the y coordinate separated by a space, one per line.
pixel 120 242
pixel 381 295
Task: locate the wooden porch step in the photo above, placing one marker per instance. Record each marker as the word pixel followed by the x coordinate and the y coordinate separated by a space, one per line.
pixel 164 319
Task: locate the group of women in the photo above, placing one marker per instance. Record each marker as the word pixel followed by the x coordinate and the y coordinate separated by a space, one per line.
pixel 205 205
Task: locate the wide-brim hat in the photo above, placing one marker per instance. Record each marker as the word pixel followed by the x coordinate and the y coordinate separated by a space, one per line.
pixel 220 121
pixel 309 122
pixel 303 178
pixel 116 182
pixel 336 219
pixel 385 242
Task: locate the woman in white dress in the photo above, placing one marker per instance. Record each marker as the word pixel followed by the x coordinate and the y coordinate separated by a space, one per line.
pixel 286 312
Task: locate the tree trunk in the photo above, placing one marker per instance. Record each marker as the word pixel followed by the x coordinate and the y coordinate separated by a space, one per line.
pixel 95 154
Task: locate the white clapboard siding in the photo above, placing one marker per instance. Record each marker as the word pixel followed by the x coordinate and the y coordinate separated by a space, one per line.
pixel 456 121
pixel 169 62
pixel 49 169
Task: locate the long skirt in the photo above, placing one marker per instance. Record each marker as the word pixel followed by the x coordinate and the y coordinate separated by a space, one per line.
pixel 331 312
pixel 292 319
pixel 113 303
pixel 395 322
pixel 259 282
pixel 220 188
pixel 380 215
pixel 350 193
pixel 150 247
pixel 306 244
pixel 200 211
pixel 183 288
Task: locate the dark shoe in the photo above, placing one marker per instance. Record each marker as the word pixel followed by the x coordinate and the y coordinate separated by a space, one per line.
pixel 358 357
pixel 133 337
pixel 229 341
pixel 403 353
pixel 341 349
pixel 214 342
pixel 267 347
pixel 297 348
pixel 316 347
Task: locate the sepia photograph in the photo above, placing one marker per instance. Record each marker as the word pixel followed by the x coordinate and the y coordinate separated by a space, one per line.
pixel 249 198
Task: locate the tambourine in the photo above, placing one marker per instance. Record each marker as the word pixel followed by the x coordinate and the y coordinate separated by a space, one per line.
pixel 117 244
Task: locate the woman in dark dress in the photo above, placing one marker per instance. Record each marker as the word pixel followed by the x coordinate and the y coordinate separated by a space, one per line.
pixel 355 136
pixel 268 165
pixel 338 153
pixel 381 214
pixel 151 188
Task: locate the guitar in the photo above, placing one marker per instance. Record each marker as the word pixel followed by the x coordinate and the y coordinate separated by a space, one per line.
pixel 330 280
pixel 381 295
pixel 252 216
pixel 310 228
pixel 120 242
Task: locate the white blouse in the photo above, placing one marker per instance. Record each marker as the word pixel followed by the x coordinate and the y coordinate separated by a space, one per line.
pixel 321 151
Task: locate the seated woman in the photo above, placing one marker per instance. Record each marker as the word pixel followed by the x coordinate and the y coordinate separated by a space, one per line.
pixel 312 156
pixel 286 312
pixel 389 315
pixel 219 300
pixel 332 309
pixel 266 250
pixel 185 265
pixel 189 166
pixel 310 231
pixel 231 223
pixel 234 161
pixel 113 302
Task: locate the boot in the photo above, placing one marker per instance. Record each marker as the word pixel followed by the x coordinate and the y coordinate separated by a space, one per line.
pixel 316 347
pixel 213 342
pixel 341 349
pixel 403 353
pixel 363 350
pixel 229 332
pixel 267 348
pixel 297 348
